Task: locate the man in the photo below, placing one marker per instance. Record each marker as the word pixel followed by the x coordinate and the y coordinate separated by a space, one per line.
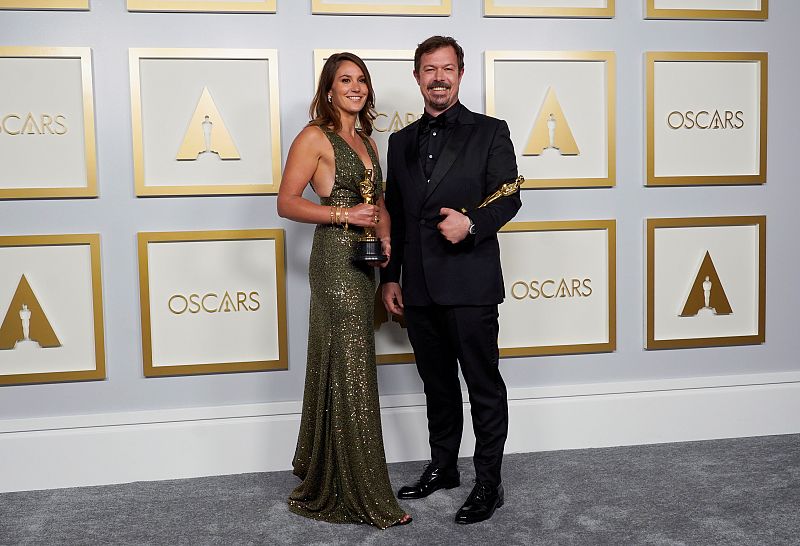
pixel 450 262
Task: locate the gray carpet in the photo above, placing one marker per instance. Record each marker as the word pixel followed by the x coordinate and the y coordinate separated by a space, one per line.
pixel 744 491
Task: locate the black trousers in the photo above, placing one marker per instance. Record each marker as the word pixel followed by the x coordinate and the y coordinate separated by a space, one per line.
pixel 443 337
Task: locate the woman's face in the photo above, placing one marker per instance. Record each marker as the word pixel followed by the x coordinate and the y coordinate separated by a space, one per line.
pixel 349 91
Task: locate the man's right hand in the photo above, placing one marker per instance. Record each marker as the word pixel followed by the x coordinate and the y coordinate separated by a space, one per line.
pixel 392 298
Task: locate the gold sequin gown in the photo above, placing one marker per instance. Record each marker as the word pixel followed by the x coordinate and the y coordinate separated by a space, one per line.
pixel 340 455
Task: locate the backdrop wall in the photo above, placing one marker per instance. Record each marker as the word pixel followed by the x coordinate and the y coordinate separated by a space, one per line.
pixel 109 29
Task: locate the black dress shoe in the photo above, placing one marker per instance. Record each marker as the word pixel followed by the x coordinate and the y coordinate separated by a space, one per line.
pixel 481 503
pixel 432 479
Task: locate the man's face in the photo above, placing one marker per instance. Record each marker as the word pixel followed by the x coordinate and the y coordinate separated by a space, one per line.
pixel 438 79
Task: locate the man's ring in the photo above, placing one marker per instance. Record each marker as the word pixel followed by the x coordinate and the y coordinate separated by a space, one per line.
pixel 377 219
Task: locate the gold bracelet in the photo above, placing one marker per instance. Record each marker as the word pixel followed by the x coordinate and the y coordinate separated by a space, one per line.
pixel 346 214
pixel 331 214
pixel 338 215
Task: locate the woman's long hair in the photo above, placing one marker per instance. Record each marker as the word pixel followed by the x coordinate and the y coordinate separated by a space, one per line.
pixel 323 113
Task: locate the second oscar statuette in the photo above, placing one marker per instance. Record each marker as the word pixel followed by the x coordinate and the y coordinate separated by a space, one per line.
pixel 368 247
pixel 508 188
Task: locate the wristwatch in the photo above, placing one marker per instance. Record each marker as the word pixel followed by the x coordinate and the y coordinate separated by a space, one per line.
pixel 471 229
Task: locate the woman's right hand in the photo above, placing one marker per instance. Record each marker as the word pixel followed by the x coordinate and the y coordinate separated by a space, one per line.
pixel 362 215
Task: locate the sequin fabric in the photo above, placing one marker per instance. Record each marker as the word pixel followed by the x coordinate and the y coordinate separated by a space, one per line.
pixel 339 454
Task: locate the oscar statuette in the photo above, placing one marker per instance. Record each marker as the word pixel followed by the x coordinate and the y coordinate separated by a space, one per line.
pixel 505 190
pixel 368 246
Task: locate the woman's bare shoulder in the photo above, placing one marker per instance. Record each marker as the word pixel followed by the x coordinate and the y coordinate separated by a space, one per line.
pixel 311 134
pixel 311 139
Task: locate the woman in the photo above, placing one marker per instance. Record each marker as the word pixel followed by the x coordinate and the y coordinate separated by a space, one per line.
pixel 339 455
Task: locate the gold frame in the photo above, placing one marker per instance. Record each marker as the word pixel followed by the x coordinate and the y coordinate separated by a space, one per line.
pixel 145 238
pixel 93 240
pixel 90 149
pixel 375 8
pixel 321 55
pixel 653 57
pixel 269 55
pixel 665 223
pixel 651 12
pixel 610 226
pixel 395 358
pixel 82 5
pixel 607 57
pixel 265 6
pixel 576 225
pixel 490 9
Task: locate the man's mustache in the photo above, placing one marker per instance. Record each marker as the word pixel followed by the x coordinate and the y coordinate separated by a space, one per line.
pixel 446 85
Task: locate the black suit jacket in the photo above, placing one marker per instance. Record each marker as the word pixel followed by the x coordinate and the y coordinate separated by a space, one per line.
pixel 477 158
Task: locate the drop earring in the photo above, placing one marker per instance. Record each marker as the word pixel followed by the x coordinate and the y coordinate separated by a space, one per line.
pixel 330 99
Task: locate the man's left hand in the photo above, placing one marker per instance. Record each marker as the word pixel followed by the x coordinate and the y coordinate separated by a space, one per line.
pixel 455 226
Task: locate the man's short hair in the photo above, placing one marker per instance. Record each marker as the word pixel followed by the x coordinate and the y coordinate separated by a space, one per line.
pixel 437 42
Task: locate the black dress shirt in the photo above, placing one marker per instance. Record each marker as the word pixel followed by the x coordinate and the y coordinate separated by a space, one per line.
pixel 433 134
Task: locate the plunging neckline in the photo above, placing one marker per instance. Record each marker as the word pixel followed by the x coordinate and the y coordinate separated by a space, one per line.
pixel 367 146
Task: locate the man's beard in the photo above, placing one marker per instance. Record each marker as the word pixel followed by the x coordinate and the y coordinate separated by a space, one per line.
pixel 439 103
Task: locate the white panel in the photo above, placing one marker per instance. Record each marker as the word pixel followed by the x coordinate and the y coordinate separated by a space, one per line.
pixel 543 315
pixel 171 89
pixel 520 89
pixel 708 4
pixel 183 333
pixel 384 2
pixel 551 3
pixel 49 86
pixel 219 1
pixel 678 255
pixel 61 279
pixel 392 339
pixel 706 86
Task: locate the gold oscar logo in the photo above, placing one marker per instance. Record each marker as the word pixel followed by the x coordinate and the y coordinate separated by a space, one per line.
pixel 25 324
pixel 551 130
pixel 384 122
pixel 705 119
pixel 552 288
pixel 707 296
pixel 29 124
pixel 207 133
pixel 212 302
